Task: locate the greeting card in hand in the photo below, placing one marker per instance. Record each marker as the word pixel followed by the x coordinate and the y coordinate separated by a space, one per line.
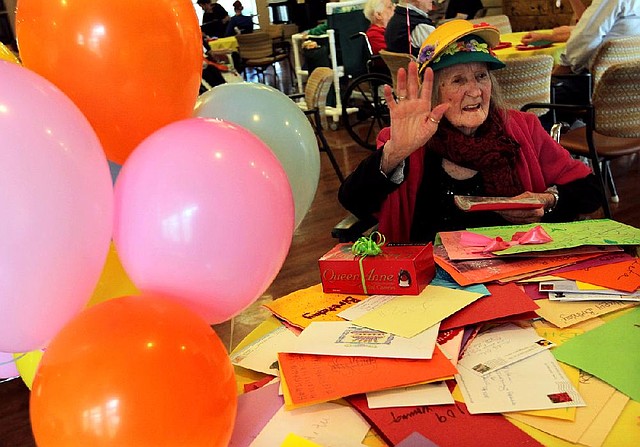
pixel 479 203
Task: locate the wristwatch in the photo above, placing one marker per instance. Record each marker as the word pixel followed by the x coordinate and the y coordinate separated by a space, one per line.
pixel 553 190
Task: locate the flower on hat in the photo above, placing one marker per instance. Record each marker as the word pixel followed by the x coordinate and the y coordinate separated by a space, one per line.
pixel 468 46
pixel 426 53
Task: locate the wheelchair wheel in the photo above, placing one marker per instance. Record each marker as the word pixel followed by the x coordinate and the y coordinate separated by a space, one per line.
pixel 364 109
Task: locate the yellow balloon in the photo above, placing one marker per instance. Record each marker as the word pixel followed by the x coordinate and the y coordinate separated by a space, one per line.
pixel 27 364
pixel 113 282
pixel 7 55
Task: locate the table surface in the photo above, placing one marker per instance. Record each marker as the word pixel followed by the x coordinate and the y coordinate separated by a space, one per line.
pixel 515 39
pixel 224 43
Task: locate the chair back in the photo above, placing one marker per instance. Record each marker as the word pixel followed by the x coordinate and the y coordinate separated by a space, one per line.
pixel 525 80
pixel 395 61
pixel 318 85
pixel 614 51
pixel 255 45
pixel 347 20
pixel 500 21
pixel 616 101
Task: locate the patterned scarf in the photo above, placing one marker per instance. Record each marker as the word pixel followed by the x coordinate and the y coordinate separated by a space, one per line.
pixel 490 151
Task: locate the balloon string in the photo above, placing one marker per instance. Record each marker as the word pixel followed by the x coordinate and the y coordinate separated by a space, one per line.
pixel 13 360
pixel 367 246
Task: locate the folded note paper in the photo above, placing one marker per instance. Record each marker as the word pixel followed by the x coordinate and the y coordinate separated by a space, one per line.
pixel 610 352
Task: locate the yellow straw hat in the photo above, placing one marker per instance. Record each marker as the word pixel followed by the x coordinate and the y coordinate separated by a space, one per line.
pixel 459 41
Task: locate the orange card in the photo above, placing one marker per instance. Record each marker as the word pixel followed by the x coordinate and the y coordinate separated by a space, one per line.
pixel 320 378
pixel 623 276
pixel 486 270
pixel 303 306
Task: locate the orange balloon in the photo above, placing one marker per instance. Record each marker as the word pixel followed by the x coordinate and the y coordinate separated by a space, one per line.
pixel 134 371
pixel 131 67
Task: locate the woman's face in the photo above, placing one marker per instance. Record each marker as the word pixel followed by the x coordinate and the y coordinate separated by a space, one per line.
pixel 425 5
pixel 467 88
pixel 386 13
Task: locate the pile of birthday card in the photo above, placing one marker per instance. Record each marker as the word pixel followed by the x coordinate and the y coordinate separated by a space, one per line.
pixel 528 335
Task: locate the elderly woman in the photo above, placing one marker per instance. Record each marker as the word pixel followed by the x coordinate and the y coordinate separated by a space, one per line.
pixel 452 137
pixel 378 13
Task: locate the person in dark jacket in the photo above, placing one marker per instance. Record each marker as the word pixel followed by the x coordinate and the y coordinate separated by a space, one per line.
pixel 239 23
pixel 409 26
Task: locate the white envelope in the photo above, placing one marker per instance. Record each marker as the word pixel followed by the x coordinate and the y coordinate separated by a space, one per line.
pixel 328 424
pixel 436 393
pixel 535 383
pixel 345 338
pixel 501 346
pixel 262 354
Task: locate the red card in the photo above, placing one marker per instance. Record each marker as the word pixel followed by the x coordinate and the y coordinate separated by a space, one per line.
pixel 505 300
pixel 445 425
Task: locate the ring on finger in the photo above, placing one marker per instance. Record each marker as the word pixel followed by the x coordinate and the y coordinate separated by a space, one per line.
pixel 433 120
pixel 400 98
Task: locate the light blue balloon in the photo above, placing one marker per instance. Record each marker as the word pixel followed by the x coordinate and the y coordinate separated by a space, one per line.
pixel 279 123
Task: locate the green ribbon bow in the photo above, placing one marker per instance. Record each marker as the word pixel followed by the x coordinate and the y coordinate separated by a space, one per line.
pixel 367 246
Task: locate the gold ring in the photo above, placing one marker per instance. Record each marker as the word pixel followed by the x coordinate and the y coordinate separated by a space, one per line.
pixel 400 98
pixel 433 120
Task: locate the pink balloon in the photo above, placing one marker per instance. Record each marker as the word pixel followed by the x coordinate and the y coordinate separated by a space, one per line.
pixel 7 366
pixel 204 214
pixel 56 201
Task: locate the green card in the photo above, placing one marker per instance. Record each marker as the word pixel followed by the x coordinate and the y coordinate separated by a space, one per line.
pixel 610 352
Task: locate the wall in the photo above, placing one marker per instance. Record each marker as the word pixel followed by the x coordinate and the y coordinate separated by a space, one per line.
pixel 528 15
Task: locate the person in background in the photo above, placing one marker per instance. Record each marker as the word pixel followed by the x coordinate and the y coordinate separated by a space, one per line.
pixel 409 26
pixel 463 9
pixel 378 13
pixel 560 33
pixel 239 24
pixel 214 19
pixel 454 137
pixel 601 21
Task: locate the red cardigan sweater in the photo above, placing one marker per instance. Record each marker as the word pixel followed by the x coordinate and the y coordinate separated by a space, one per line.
pixel 541 163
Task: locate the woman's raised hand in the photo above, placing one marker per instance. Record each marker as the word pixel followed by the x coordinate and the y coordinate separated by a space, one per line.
pixel 413 122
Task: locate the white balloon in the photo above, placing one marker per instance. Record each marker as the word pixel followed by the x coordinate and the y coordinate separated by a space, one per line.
pixel 279 123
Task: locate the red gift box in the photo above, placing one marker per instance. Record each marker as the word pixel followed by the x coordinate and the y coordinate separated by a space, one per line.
pixel 402 269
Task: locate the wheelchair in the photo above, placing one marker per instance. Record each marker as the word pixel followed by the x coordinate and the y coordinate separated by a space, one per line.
pixel 364 108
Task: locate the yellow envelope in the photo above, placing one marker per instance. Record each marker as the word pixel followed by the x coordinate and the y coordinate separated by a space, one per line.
pixel 596 395
pixel 409 315
pixel 564 314
pixel 293 440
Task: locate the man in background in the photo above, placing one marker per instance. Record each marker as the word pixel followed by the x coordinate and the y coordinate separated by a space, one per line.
pixel 214 19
